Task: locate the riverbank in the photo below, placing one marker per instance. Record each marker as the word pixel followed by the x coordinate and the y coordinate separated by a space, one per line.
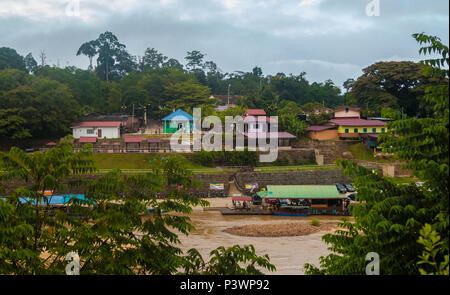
pixel 287 253
pixel 286 230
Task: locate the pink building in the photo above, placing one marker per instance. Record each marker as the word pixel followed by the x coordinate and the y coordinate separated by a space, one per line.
pixel 347 112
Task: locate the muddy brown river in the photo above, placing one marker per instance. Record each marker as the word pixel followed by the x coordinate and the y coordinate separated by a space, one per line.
pixel 288 254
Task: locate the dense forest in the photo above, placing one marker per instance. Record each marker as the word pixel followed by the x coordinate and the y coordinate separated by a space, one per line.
pixel 41 101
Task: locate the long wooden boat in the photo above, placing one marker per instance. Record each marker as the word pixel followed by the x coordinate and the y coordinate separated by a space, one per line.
pixel 290 213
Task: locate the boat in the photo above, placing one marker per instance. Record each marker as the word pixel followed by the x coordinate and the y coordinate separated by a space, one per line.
pixel 290 213
pixel 291 210
pixel 303 200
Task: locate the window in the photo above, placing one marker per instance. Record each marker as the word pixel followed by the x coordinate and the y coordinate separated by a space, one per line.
pixel 355 130
pixel 374 130
pixel 382 130
pixel 346 130
pixel 256 126
pixel 365 130
pixel 90 131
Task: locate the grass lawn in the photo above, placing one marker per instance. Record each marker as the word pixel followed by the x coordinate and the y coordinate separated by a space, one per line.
pixel 140 163
pixel 363 152
pixel 137 161
pixel 295 168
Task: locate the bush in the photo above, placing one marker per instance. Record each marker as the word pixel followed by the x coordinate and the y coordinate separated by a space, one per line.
pixel 315 222
pixel 234 158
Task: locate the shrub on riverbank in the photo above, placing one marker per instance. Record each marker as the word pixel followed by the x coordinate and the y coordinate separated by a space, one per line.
pixel 315 222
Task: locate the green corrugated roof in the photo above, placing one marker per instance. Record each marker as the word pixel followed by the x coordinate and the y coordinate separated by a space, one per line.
pixel 301 192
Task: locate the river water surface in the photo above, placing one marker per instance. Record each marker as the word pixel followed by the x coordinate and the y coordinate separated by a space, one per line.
pixel 288 254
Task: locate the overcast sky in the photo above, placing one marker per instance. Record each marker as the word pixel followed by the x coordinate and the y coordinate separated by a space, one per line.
pixel 327 39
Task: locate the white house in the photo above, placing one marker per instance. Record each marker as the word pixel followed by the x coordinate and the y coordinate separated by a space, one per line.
pixel 97 129
pixel 256 121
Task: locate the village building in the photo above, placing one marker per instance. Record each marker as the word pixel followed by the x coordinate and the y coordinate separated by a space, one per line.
pixel 255 128
pixel 178 120
pixel 96 129
pixel 303 200
pixel 222 108
pixel 347 112
pixel 323 132
pixel 226 99
pixel 128 123
pixel 347 124
pixel 252 122
pixel 349 128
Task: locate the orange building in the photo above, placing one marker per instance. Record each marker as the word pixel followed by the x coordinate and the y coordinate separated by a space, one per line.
pixel 322 132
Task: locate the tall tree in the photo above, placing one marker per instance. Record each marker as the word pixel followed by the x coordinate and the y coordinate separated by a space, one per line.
pixel 113 61
pixel 43 58
pixel 172 63
pixel 399 85
pixel 90 50
pixel 30 63
pixel 348 84
pixel 194 60
pixel 397 220
pixel 152 59
pixel 10 59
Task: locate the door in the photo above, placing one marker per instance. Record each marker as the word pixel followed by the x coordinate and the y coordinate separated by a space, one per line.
pixel 99 133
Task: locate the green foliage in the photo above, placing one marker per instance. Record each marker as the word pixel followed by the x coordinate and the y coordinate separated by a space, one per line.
pixel 30 63
pixel 223 262
pixel 160 83
pixel 432 244
pixel 391 114
pixel 397 85
pixel 105 228
pixel 390 216
pixel 315 222
pixel 34 106
pixel 320 118
pixel 10 59
pixel 292 124
pixel 226 158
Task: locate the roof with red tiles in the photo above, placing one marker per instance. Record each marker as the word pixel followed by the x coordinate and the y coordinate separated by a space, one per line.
pixel 255 112
pixel 88 139
pixel 97 124
pixel 132 139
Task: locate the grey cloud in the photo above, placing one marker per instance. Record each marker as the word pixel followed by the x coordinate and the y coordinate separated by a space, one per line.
pixel 332 39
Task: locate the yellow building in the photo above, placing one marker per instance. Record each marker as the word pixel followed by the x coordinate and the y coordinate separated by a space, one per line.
pixel 352 127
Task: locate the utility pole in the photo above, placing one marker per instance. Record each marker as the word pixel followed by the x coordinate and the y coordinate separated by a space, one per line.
pixel 229 85
pixel 145 117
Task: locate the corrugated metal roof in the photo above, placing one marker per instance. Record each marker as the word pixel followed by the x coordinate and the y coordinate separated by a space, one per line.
pixel 320 127
pixel 88 139
pixel 178 112
pixel 301 192
pixel 357 122
pixel 132 139
pixel 281 135
pixel 97 124
pixel 153 140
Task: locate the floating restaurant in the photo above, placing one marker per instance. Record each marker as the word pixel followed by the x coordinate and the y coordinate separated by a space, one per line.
pixel 303 200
